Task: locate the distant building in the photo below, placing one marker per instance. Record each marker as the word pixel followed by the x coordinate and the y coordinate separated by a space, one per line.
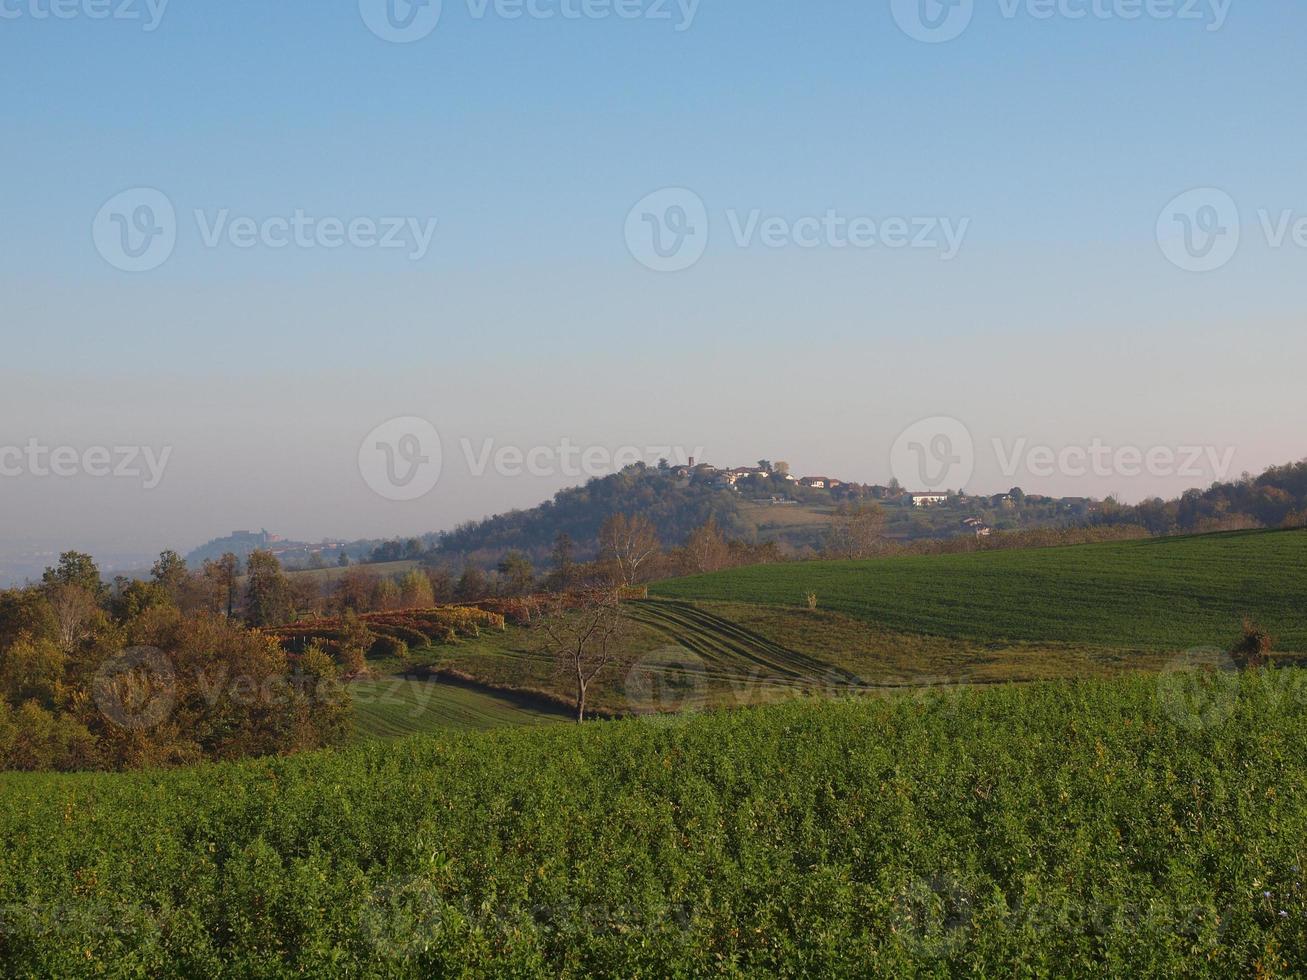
pixel 927 499
pixel 819 482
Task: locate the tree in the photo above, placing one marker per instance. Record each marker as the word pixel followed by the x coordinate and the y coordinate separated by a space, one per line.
pixel 386 595
pixel 472 584
pixel 76 613
pixel 706 548
pixel 221 578
pixel 519 576
pixel 584 638
pixel 858 531
pixel 564 562
pixel 76 568
pixel 415 591
pixel 170 572
pixel 355 642
pixel 629 545
pixel 267 593
pixel 355 589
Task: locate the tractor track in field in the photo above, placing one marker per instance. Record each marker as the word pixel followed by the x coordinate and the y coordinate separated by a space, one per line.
pixel 721 643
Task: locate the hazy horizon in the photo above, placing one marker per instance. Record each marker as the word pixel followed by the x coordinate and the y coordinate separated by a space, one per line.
pixel 1032 292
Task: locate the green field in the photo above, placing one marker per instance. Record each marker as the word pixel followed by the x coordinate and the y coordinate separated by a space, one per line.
pixel 1143 827
pixel 393 707
pixel 1163 593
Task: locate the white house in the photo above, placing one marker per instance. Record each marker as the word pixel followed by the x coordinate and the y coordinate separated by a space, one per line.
pixel 927 499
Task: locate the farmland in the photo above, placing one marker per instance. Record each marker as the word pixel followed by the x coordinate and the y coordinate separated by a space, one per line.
pixel 393 707
pixel 1131 827
pixel 1165 593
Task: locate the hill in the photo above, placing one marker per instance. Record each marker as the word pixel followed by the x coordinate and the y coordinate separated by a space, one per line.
pixel 1094 829
pixel 1160 593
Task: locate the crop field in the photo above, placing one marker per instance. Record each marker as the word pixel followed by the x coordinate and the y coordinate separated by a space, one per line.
pixel 1163 593
pixel 1139 827
pixel 393 707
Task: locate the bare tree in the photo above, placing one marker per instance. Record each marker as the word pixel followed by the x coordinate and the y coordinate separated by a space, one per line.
pixel 75 612
pixel 583 634
pixel 858 531
pixel 706 549
pixel 630 544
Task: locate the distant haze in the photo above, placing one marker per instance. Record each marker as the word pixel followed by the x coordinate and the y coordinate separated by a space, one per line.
pixel 1059 323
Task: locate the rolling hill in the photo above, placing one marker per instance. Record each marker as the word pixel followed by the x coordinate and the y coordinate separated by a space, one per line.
pixel 1161 593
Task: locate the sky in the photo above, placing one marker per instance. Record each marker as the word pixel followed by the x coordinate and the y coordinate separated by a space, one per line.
pixel 341 270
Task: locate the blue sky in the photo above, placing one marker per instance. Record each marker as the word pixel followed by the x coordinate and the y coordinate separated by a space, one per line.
pixel 529 140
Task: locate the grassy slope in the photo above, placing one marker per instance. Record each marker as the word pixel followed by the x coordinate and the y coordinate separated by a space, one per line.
pixel 1102 829
pixel 1167 593
pixel 392 707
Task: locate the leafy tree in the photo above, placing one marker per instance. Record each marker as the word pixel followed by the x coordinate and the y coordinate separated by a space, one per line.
pixel 386 595
pixel 472 584
pixel 564 562
pixel 76 568
pixel 267 593
pixel 519 576
pixel 171 573
pixel 415 591
pixel 355 642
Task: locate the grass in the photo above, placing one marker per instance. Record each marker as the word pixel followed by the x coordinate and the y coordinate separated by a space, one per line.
pixel 1138 827
pixel 394 707
pixel 1161 594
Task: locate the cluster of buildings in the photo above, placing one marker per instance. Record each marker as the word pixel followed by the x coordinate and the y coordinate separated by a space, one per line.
pixel 724 478
pixel 730 477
